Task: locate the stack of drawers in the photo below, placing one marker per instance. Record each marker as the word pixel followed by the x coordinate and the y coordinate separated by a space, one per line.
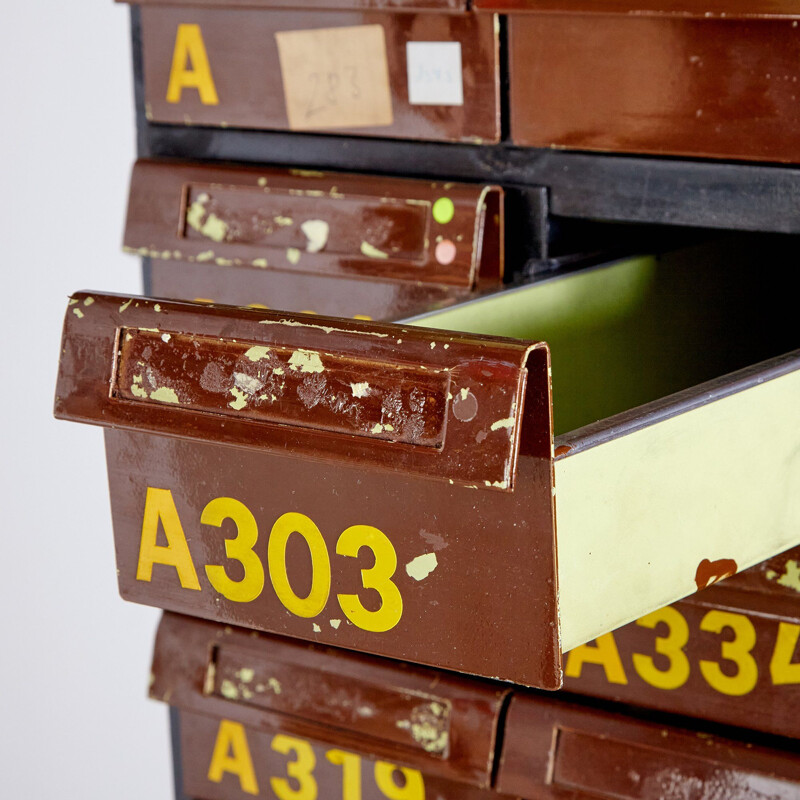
pixel 400 554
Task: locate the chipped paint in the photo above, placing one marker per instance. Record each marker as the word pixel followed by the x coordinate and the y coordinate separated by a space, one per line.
pixel 125 305
pixel 316 628
pixel 157 308
pixel 278 371
pixel 377 428
pixel 428 727
pixel 229 690
pixel 335 623
pixel 78 313
pixel 791 578
pixel 262 263
pixel 136 388
pixel 503 423
pixel 497 484
pixel 365 711
pixel 293 255
pixel 247 383
pixel 360 389
pixel 275 685
pixel 316 231
pixel 164 394
pixel 257 353
pixel 283 222
pixel 245 674
pixel 262 181
pixel 241 399
pixel 206 255
pixel 165 337
pixel 422 566
pixel 307 173
pixel 306 361
pixel 88 301
pixel 370 251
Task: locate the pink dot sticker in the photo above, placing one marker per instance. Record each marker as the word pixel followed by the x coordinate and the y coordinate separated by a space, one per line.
pixel 445 252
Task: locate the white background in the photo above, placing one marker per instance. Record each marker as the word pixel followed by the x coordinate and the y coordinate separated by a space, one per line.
pixel 74 659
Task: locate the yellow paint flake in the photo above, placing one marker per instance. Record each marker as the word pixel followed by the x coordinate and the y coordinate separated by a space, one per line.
pixel 136 387
pixel 465 394
pixel 278 371
pixel 335 623
pixel 206 255
pixel 316 231
pixel 497 484
pixel 229 690
pixel 503 423
pixel 196 212
pixel 88 301
pixel 370 251
pixel 306 361
pixel 257 353
pixel 791 578
pixel 316 628
pixel 283 222
pixel 74 302
pixel 262 263
pixel 157 308
pixel 275 685
pixel 293 255
pixel 241 399
pixel 150 330
pixel 165 337
pixel 377 428
pixel 164 395
pixel 359 389
pixel 262 181
pixel 245 674
pixel 422 566
pixel 78 313
pixel 306 173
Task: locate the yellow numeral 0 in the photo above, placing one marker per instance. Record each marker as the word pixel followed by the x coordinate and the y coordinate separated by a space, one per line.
pixel 284 527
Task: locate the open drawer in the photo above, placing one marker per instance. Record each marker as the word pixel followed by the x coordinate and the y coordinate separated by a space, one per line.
pixel 401 478
pixel 730 654
pixel 364 246
pixel 414 70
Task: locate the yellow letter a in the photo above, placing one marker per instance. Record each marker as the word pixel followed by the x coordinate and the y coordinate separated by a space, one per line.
pixel 189 47
pixel 604 652
pixel 159 505
pixel 231 754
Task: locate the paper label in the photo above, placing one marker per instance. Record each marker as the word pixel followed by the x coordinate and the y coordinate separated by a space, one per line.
pixel 335 77
pixel 434 74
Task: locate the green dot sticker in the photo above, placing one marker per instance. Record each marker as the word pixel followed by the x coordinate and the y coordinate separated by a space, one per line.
pixel 443 210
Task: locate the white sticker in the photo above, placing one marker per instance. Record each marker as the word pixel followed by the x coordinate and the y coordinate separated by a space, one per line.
pixel 434 74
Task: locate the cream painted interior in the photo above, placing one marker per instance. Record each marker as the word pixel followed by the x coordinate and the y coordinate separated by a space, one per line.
pixel 636 515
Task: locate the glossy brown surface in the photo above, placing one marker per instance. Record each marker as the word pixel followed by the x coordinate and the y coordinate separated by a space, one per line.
pixel 559 750
pixel 445 725
pixel 333 5
pixel 668 660
pixel 468 457
pixel 349 245
pixel 694 87
pixel 731 9
pixel 240 43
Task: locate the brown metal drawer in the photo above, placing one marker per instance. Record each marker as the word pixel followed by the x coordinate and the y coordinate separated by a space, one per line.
pixel 698 84
pixel 729 654
pixel 297 474
pixel 359 68
pixel 362 246
pixel 560 750
pixel 250 693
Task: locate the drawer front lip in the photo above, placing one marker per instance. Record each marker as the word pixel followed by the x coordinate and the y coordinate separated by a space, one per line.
pixel 395 6
pixel 626 758
pixel 711 9
pixel 190 653
pixel 720 104
pixel 476 120
pixel 298 221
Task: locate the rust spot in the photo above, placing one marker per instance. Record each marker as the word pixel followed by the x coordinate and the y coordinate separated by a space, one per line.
pixel 709 572
pixel 562 450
